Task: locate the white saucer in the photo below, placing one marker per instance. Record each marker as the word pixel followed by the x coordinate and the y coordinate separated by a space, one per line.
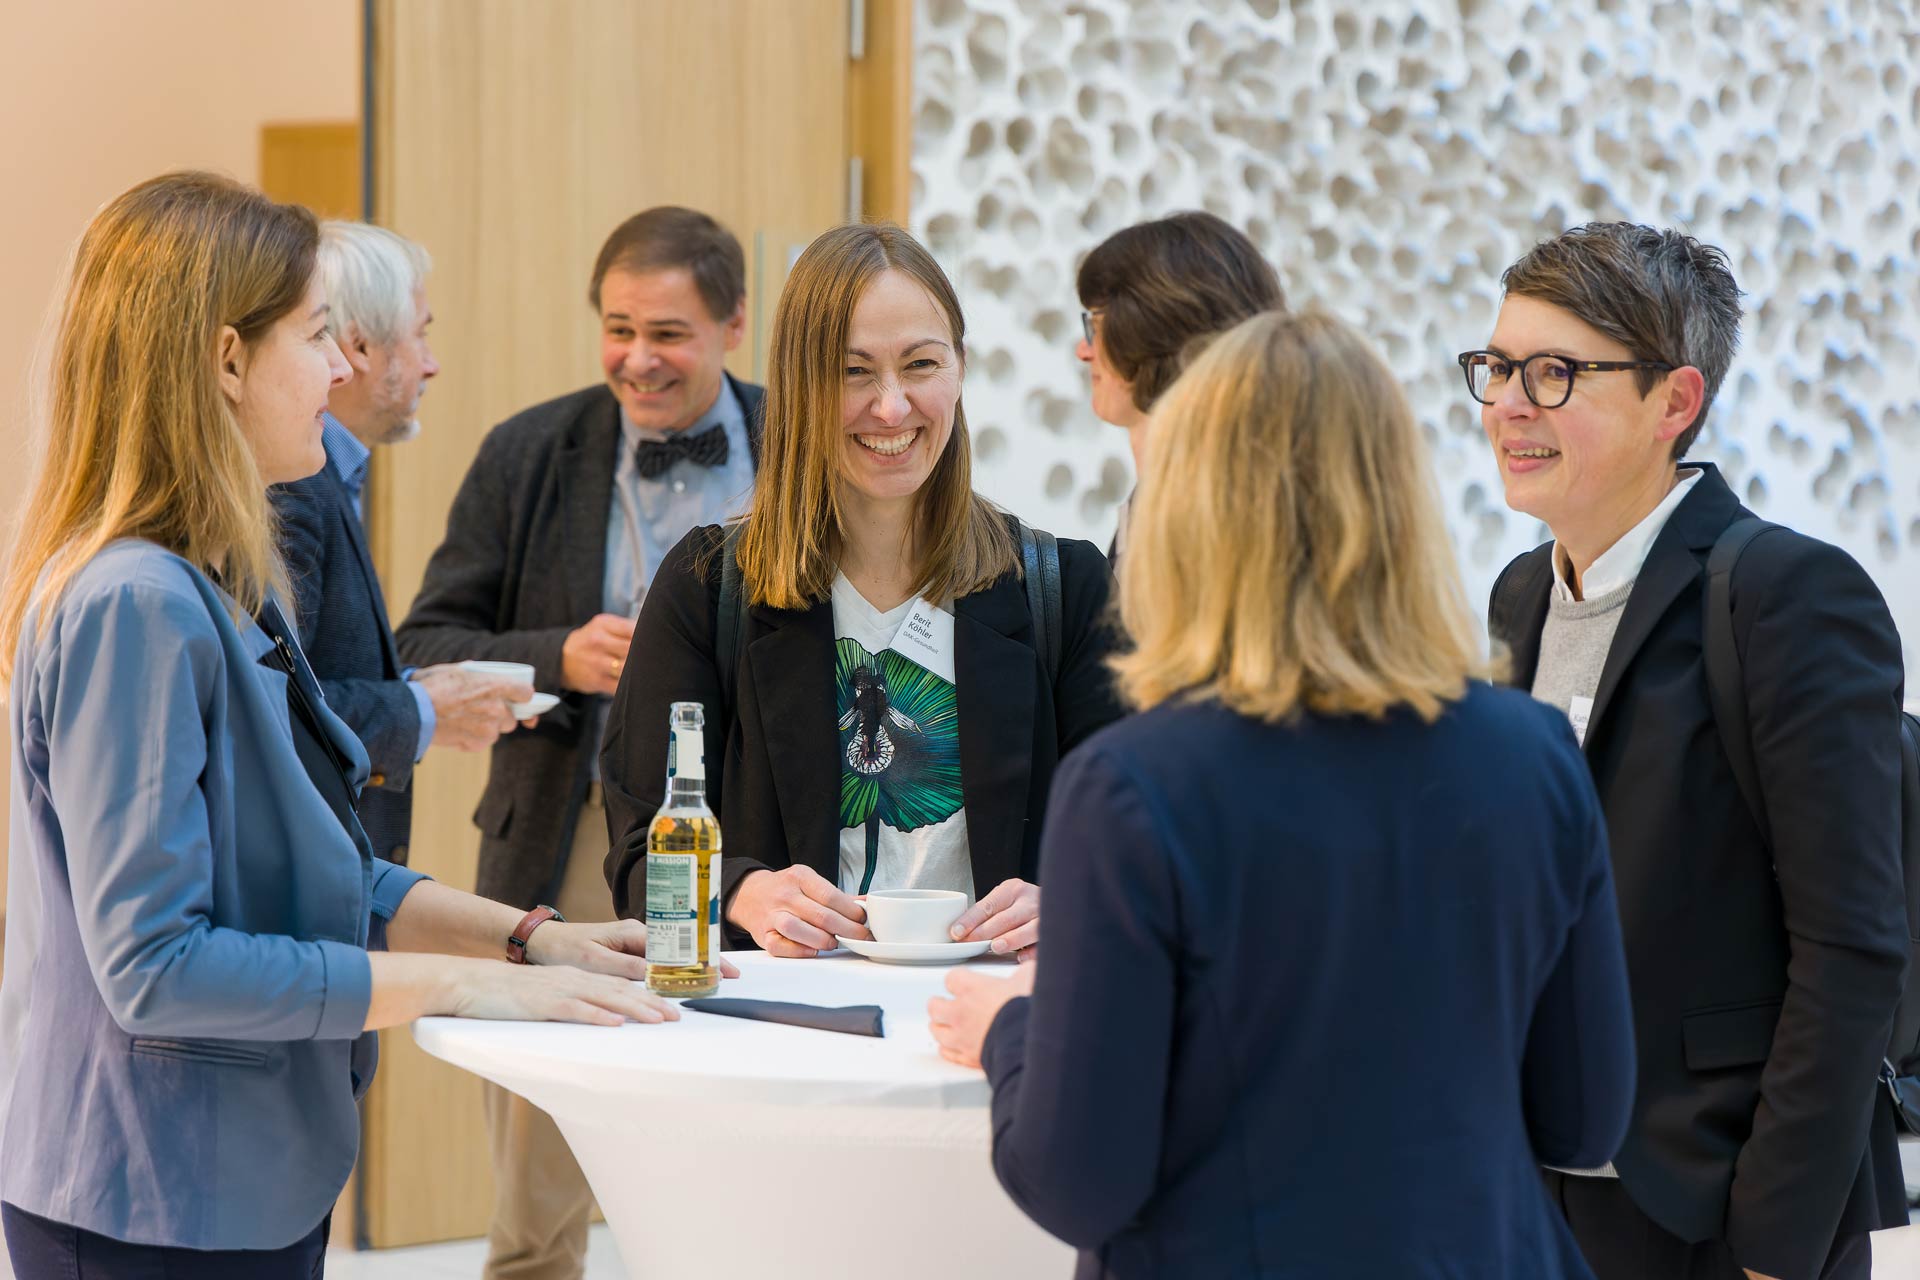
pixel 538 705
pixel 916 952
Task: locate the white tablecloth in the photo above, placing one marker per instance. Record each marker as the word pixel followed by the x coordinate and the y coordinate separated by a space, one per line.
pixel 718 1146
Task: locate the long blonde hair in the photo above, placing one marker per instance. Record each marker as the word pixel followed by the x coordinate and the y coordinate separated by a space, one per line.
pixel 140 441
pixel 790 547
pixel 1286 550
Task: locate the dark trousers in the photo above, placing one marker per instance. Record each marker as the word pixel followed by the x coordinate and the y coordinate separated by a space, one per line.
pixel 44 1250
pixel 1622 1243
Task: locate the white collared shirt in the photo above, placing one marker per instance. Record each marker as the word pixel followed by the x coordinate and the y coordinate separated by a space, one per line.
pixel 1620 564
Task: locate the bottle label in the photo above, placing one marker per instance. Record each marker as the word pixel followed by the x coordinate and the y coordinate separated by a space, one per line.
pixel 674 911
pixel 687 756
pixel 713 911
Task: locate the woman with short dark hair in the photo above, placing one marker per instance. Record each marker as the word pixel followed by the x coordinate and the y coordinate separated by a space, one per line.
pixel 1154 293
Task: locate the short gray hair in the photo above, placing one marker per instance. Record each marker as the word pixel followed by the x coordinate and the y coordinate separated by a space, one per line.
pixel 370 275
pixel 1660 293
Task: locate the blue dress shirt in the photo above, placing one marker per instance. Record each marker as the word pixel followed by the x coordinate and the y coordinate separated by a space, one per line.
pixel 647 518
pixel 349 458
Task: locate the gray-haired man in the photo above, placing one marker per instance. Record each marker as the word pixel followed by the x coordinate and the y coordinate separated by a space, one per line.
pixel 376 284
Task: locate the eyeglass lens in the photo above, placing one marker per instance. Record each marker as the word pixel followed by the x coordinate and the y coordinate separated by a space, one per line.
pixel 1547 380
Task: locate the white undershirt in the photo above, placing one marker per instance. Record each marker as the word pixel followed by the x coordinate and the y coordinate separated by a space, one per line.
pixel 1620 563
pixel 931 856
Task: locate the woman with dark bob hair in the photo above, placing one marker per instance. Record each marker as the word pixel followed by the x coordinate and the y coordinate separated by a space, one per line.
pixel 1154 293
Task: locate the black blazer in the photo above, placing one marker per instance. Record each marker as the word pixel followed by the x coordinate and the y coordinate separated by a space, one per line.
pixel 344 630
pixel 524 564
pixel 1764 981
pixel 1315 997
pixel 773 761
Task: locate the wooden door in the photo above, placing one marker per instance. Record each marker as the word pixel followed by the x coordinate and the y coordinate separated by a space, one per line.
pixel 509 138
pixel 316 164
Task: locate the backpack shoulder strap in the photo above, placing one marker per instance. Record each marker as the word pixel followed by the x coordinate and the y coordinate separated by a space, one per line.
pixel 1040 565
pixel 1726 685
pixel 1513 588
pixel 728 618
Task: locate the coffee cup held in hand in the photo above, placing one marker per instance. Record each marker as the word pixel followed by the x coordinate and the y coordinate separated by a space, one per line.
pixel 913 915
pixel 519 673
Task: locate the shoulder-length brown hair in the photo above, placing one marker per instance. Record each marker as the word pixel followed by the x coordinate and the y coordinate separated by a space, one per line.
pixel 1288 551
pixel 140 441
pixel 790 547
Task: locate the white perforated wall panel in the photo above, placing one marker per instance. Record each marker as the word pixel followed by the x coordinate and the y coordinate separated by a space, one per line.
pixel 1392 157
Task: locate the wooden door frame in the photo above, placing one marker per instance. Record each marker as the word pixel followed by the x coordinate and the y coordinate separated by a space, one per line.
pixel 877 128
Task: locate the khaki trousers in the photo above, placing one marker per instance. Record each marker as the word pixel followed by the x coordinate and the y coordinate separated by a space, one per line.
pixel 541 1202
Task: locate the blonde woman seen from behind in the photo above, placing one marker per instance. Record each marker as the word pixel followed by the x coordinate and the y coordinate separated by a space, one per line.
pixel 202 941
pixel 1330 960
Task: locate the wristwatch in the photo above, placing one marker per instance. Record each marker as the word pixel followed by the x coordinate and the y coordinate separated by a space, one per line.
pixel 517 940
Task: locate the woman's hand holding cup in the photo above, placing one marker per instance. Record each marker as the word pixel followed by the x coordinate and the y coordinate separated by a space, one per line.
pixel 1009 916
pixel 795 912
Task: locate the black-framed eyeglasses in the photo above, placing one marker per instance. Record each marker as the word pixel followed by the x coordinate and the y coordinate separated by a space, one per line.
pixel 1546 378
pixel 1086 324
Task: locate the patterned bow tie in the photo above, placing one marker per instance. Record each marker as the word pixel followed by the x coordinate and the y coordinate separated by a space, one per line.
pixel 708 448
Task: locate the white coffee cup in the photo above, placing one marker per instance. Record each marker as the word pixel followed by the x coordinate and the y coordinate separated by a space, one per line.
pixel 521 672
pixel 914 915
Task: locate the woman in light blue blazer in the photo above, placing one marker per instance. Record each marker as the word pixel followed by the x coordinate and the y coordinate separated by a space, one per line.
pixel 200 941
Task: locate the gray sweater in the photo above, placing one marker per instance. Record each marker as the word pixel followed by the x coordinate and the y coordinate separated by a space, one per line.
pixel 1573 650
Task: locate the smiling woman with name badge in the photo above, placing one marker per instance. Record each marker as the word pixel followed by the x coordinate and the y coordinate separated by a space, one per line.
pixel 895 665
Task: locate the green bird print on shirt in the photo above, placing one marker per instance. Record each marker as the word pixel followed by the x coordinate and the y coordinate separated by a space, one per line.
pixel 899 745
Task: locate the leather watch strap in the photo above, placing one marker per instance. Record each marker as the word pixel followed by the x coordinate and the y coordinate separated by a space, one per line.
pixel 517 940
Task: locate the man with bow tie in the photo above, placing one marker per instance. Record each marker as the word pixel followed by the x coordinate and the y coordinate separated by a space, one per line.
pixel 557 529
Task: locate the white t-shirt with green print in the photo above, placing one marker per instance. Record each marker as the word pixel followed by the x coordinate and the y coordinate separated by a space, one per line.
pixel 902 824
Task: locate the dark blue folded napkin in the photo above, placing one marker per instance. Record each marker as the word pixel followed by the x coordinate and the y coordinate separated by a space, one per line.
pixel 853 1020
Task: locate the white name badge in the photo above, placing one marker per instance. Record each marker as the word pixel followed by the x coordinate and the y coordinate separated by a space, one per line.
pixel 926 638
pixel 1580 710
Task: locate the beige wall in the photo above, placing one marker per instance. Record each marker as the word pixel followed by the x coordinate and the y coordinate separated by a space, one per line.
pixel 98 94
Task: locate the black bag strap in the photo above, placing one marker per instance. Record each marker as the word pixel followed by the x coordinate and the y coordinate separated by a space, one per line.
pixel 1726 687
pixel 730 618
pixel 1040 563
pixel 1727 690
pixel 1509 593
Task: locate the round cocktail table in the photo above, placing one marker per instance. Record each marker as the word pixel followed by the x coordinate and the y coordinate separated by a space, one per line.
pixel 722 1146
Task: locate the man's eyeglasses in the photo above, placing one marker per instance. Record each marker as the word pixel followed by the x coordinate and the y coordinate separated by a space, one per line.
pixel 1547 379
